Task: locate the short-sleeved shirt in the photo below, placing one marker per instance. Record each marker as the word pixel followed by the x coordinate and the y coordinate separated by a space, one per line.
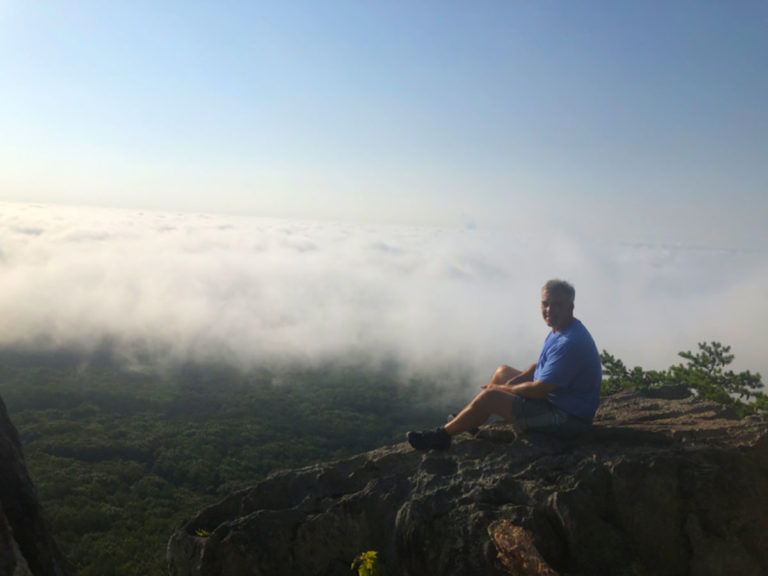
pixel 570 361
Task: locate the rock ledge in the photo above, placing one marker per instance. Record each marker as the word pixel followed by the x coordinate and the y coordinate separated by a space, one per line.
pixel 26 542
pixel 664 484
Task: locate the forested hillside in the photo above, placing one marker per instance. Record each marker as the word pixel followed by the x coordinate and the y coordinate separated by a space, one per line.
pixel 121 457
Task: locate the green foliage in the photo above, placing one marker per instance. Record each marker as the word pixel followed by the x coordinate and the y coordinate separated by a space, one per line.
pixel 367 564
pixel 703 372
pixel 121 458
pixel 761 404
pixel 617 377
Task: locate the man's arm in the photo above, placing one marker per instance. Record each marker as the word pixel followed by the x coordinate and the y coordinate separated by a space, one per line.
pixel 524 376
pixel 524 385
pixel 530 389
pixel 534 390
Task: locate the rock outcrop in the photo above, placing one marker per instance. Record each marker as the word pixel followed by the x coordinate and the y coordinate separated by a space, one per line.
pixel 664 484
pixel 26 543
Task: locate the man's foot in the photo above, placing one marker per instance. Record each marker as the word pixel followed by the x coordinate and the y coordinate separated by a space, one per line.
pixel 472 431
pixel 437 439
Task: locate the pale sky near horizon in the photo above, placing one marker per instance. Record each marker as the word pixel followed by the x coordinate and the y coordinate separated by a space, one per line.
pixel 629 121
pixel 162 287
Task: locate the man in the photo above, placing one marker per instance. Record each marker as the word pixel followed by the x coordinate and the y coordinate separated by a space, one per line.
pixel 558 394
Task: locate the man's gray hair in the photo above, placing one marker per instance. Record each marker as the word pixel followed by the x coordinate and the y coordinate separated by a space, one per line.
pixel 560 286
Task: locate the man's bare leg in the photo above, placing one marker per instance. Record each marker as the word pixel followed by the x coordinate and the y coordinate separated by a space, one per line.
pixel 504 374
pixel 492 400
pixel 477 412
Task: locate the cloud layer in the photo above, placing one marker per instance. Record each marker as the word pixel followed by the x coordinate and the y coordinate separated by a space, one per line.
pixel 255 292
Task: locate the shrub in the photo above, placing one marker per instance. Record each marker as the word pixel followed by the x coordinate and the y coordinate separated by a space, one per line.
pixel 703 372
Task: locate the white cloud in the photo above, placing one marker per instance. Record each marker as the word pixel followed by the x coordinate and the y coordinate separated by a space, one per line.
pixel 255 291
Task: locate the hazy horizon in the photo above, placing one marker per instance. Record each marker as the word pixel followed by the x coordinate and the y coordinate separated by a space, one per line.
pixel 254 291
pixel 375 180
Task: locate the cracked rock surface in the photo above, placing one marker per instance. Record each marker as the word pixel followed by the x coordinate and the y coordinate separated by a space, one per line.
pixel 663 484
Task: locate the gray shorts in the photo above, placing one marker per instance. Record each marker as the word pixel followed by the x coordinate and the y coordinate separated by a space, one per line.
pixel 543 416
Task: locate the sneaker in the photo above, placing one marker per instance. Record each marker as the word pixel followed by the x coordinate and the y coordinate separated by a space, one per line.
pixel 437 439
pixel 472 431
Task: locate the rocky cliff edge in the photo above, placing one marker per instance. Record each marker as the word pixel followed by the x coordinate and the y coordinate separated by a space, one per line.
pixel 664 484
pixel 26 543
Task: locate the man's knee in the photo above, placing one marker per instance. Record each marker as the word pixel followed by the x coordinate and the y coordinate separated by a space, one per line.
pixel 496 402
pixel 504 374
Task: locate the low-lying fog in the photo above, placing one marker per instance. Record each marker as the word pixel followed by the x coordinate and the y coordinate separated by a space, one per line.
pixel 263 291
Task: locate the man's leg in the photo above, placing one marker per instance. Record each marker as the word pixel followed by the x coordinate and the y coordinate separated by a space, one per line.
pixel 489 402
pixel 482 407
pixel 504 374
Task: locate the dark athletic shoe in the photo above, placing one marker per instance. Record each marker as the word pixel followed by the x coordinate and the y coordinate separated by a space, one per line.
pixel 472 431
pixel 437 439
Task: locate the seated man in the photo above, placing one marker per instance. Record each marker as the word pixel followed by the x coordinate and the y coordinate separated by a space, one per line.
pixel 559 394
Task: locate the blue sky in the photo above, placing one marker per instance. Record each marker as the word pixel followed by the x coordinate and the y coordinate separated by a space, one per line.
pixel 628 121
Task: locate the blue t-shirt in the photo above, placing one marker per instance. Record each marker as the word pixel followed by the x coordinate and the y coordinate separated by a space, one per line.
pixel 570 361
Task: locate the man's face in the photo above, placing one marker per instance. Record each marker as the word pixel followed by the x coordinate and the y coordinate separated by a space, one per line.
pixel 556 309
